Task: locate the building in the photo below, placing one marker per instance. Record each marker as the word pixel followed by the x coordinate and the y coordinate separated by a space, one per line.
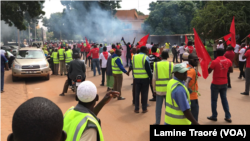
pixel 132 24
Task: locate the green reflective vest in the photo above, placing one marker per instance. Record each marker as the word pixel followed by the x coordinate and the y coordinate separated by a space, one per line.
pixel 163 71
pixel 167 46
pixel 61 54
pixel 115 68
pixel 55 58
pixel 158 51
pixel 75 123
pixel 138 64
pixel 68 56
pixel 173 114
pixel 71 51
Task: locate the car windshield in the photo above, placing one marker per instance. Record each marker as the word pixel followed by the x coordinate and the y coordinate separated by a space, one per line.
pixel 30 54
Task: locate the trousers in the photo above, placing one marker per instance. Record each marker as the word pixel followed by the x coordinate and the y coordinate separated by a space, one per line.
pixel 118 78
pixel 103 75
pixel 241 67
pixel 62 67
pixel 247 83
pixel 56 67
pixel 141 87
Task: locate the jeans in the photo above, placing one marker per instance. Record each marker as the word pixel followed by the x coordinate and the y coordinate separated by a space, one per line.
pixel 128 60
pixel 175 57
pixel 181 57
pixel 158 107
pixel 241 67
pixel 141 86
pixel 222 89
pixel 96 63
pixel 103 75
pixel 2 80
pixel 195 108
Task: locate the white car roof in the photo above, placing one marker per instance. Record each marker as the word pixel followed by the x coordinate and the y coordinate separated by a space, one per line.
pixel 30 48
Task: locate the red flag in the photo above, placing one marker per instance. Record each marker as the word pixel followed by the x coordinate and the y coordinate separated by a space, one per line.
pixel 87 43
pixel 143 41
pixel 248 36
pixel 186 40
pixel 232 32
pixel 226 39
pixel 202 54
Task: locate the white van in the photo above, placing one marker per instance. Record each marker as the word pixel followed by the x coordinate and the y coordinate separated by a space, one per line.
pixel 38 44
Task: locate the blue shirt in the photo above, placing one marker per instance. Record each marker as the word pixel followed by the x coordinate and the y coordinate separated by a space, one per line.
pixel 100 49
pixel 180 96
pixel 3 61
pixel 119 63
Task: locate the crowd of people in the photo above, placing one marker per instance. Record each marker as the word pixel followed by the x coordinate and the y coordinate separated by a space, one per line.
pixel 174 84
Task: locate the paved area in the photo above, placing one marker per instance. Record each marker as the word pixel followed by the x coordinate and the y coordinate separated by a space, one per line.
pixel 118 120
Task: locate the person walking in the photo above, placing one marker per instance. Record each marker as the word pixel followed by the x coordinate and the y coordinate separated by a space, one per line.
pixel 154 57
pixel 192 83
pixel 117 70
pixel 103 63
pixel 236 57
pixel 51 62
pixel 84 114
pixel 68 58
pixel 143 76
pixel 189 47
pixel 221 65
pixel 4 64
pixel 174 52
pixel 110 77
pixel 215 48
pixel 242 62
pixel 229 55
pixel 55 62
pixel 182 50
pixel 177 111
pixel 247 71
pixel 95 59
pixel 61 53
pixel 162 73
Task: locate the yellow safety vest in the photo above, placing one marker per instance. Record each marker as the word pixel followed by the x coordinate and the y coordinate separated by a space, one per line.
pixel 167 45
pixel 115 68
pixel 61 54
pixel 75 123
pixel 138 64
pixel 173 114
pixel 163 71
pixel 55 58
pixel 68 56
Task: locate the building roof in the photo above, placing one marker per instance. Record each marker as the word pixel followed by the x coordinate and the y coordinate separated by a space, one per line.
pixel 129 15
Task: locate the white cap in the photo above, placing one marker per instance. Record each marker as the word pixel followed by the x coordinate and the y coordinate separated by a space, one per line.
pixel 220 40
pixel 86 91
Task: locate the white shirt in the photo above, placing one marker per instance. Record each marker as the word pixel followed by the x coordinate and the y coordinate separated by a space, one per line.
pixel 149 46
pixel 241 54
pixel 181 49
pixel 104 61
pixel 9 54
pixel 3 52
pixel 220 46
pixel 236 49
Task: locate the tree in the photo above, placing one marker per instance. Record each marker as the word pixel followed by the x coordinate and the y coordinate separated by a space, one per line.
pixel 169 17
pixel 215 18
pixel 139 12
pixel 49 35
pixel 15 12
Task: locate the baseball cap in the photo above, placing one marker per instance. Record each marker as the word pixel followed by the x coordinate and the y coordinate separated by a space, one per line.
pixel 185 56
pixel 181 68
pixel 111 51
pixel 86 91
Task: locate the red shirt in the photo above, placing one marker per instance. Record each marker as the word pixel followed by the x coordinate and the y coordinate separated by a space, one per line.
pixel 114 49
pixel 247 54
pixel 191 48
pixel 118 47
pixel 79 45
pixel 94 52
pixel 230 55
pixel 87 49
pixel 220 66
pixel 82 48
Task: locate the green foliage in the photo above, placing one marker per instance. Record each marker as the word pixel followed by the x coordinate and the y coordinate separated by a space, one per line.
pixel 49 35
pixel 215 18
pixel 16 12
pixel 172 17
pixel 139 12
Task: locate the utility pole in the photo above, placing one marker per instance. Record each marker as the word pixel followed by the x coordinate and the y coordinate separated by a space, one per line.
pixel 18 39
pixel 29 34
pixel 35 31
pixel 42 34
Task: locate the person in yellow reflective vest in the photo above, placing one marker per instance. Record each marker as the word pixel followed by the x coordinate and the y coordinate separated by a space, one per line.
pixel 81 122
pixel 167 44
pixel 37 119
pixel 178 103
pixel 162 73
pixel 118 70
pixel 68 58
pixel 51 61
pixel 143 76
pixel 61 53
pixel 55 61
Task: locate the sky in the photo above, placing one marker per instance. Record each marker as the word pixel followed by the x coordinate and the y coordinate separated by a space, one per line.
pixel 53 6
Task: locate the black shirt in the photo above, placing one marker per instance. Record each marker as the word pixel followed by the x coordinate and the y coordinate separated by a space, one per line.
pixel 152 59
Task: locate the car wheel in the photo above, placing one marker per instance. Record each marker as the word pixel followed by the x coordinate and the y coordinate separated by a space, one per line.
pixel 14 79
pixel 47 77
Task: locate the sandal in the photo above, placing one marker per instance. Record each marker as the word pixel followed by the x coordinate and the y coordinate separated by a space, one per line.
pixel 212 118
pixel 228 120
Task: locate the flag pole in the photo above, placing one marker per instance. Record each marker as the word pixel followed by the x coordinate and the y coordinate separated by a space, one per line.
pixel 244 38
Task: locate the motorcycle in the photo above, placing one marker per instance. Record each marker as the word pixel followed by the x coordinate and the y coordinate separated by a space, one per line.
pixel 76 83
